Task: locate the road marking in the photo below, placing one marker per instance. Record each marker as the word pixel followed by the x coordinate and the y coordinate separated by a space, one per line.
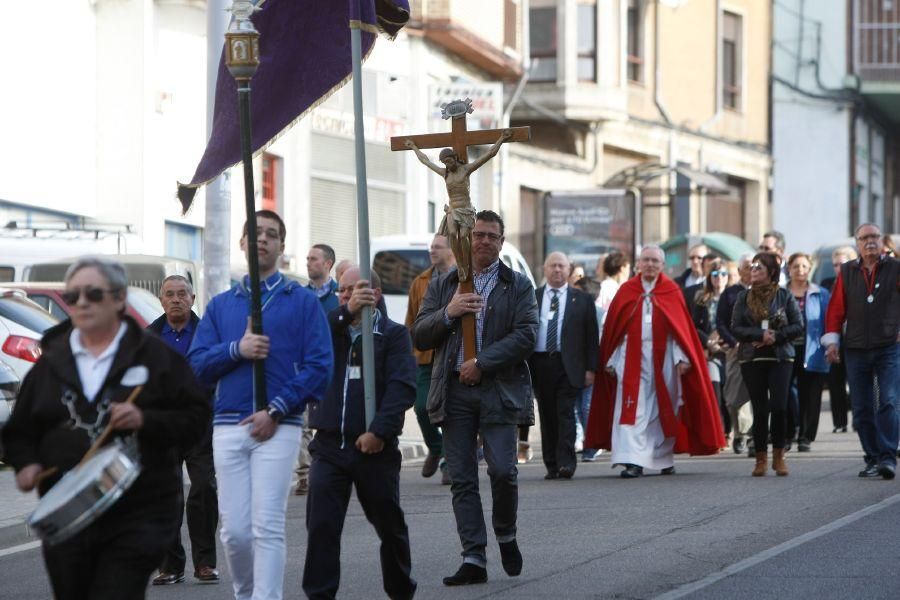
pixel 695 586
pixel 20 548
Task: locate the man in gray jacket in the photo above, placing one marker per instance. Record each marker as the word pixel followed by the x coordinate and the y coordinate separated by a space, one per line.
pixel 487 394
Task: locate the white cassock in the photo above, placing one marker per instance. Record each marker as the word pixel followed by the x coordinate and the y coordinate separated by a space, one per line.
pixel 643 443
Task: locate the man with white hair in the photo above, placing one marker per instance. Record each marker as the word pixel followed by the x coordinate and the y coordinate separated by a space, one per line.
pixel 644 401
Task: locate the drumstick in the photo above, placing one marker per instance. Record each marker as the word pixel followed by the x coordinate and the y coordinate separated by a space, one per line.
pixel 108 431
pixel 93 449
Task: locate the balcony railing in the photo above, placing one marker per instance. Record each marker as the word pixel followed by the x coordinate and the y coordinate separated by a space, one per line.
pixel 876 40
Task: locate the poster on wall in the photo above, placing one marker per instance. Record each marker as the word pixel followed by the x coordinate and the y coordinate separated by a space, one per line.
pixel 587 224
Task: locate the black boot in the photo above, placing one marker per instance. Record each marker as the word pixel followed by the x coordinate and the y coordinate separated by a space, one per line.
pixel 467 575
pixel 511 558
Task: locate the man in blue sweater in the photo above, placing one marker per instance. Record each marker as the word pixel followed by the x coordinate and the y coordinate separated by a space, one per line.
pixel 254 450
pixel 348 453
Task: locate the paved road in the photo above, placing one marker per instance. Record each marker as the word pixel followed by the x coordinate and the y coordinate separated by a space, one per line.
pixel 711 531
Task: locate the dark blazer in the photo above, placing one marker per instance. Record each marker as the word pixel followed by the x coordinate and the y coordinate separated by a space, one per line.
pixel 343 410
pixel 579 338
pixel 510 329
pixel 724 311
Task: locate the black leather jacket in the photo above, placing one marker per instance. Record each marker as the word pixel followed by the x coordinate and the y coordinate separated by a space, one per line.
pixel 748 330
pixel 510 332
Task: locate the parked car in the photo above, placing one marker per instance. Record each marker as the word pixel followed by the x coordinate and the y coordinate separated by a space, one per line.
pixel 822 267
pixel 142 305
pixel 9 389
pixel 22 324
pixel 398 259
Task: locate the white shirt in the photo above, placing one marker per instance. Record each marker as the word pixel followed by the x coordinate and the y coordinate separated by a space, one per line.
pixel 92 370
pixel 546 317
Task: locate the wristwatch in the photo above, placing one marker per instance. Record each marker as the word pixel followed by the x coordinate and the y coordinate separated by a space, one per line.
pixel 274 414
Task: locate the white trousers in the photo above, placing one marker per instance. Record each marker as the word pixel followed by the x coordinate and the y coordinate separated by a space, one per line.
pixel 254 480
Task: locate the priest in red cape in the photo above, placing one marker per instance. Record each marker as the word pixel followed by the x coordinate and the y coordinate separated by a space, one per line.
pixel 653 396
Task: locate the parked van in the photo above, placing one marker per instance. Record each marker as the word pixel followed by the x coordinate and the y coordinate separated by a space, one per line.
pixel 398 259
pixel 143 271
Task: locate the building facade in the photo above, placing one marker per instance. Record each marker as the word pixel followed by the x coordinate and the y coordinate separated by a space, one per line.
pixel 836 107
pixel 668 98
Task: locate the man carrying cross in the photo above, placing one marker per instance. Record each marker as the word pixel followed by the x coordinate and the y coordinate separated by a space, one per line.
pixel 459 214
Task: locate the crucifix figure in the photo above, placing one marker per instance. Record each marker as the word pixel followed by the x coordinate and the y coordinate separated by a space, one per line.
pixel 459 217
pixel 459 214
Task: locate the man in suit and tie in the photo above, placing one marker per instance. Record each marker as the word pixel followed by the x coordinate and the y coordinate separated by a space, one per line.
pixel 564 360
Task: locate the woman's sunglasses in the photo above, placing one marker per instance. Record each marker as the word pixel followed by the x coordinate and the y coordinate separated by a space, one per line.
pixel 718 273
pixel 91 294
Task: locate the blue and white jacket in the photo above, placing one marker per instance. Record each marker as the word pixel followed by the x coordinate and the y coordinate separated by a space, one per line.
pixel 300 360
pixel 817 299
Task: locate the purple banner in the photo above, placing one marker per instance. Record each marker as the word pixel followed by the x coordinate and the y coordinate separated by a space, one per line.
pixel 304 55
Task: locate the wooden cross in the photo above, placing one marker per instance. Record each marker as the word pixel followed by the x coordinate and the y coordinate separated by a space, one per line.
pixel 460 138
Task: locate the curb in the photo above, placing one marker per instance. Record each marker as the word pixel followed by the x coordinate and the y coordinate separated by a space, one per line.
pixel 412 450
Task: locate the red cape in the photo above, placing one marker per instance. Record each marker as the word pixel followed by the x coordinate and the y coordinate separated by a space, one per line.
pixel 699 424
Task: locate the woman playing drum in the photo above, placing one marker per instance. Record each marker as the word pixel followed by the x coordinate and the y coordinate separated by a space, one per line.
pixel 89 366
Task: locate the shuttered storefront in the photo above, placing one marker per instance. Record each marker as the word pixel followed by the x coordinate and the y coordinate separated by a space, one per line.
pixel 333 193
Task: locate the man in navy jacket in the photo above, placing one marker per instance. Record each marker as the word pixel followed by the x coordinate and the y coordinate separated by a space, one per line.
pixel 254 450
pixel 345 452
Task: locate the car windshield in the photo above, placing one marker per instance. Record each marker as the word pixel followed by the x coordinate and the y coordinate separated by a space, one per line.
pixel 398 268
pixel 144 303
pixel 26 313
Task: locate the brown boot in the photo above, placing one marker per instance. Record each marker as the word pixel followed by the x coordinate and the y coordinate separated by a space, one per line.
pixel 762 463
pixel 778 464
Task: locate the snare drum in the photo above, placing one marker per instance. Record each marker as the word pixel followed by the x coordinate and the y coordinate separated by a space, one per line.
pixel 85 493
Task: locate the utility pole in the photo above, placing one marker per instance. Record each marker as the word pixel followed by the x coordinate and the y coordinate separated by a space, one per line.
pixel 217 231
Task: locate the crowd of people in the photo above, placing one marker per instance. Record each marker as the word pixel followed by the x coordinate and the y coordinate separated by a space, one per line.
pixel 726 356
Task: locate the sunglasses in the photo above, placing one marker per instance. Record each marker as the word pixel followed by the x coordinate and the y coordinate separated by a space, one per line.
pixel 91 294
pixel 756 267
pixel 718 273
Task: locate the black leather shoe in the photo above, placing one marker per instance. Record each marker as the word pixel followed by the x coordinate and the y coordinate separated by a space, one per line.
pixel 886 470
pixel 738 445
pixel 668 471
pixel 430 466
pixel 871 470
pixel 803 446
pixel 552 475
pixel 511 558
pixel 566 473
pixel 632 472
pixel 168 578
pixel 467 575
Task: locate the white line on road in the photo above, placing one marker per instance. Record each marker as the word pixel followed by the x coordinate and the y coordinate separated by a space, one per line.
pixel 20 548
pixel 695 586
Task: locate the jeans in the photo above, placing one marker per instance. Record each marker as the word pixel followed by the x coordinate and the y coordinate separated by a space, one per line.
pixel 430 432
pixel 878 431
pixel 582 414
pixel 461 427
pixel 254 480
pixel 768 383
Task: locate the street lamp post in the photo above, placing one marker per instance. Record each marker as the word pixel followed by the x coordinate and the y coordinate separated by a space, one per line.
pixel 242 60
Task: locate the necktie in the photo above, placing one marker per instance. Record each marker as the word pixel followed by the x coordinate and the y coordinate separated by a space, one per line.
pixel 552 326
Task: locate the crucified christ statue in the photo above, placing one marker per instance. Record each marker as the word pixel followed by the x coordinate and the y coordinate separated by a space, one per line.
pixel 459 214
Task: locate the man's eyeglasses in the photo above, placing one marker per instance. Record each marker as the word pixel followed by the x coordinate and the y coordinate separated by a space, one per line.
pixel 91 294
pixel 755 267
pixel 872 237
pixel 718 273
pixel 481 235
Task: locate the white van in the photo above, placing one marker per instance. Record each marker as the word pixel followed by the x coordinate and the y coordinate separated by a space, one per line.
pixel 398 259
